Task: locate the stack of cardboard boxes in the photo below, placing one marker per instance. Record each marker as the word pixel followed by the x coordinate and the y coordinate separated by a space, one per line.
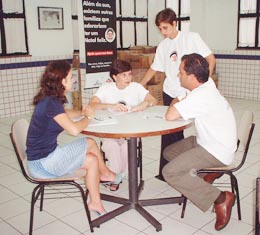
pixel 141 58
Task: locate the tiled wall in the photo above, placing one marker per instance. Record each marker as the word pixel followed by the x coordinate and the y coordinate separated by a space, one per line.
pixel 239 76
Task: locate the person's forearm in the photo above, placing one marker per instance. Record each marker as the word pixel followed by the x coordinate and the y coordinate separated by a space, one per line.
pixel 148 76
pixel 73 113
pixel 212 62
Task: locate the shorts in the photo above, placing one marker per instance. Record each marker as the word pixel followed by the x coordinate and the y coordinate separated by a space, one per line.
pixel 62 161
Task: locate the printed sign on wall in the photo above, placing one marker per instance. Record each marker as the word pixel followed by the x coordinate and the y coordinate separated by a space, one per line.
pixel 100 34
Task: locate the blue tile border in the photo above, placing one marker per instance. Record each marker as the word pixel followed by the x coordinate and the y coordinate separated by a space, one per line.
pixel 27 64
pixel 237 57
pixel 83 65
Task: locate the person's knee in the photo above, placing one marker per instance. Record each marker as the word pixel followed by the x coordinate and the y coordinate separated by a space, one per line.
pixel 169 172
pixel 91 142
pixel 167 153
pixel 91 160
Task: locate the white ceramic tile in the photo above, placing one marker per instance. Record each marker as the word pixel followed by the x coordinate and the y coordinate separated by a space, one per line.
pixel 5 228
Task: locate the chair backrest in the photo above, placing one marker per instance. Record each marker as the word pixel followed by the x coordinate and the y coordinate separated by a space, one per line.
pixel 244 127
pixel 245 132
pixel 18 137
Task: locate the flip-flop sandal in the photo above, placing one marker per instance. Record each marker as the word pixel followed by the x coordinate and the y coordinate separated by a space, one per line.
pixel 118 180
pixel 114 187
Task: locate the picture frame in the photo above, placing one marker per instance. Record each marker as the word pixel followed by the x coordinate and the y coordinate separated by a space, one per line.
pixel 50 18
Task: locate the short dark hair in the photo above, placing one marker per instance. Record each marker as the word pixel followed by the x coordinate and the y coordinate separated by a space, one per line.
pixel 119 66
pixel 197 65
pixel 167 16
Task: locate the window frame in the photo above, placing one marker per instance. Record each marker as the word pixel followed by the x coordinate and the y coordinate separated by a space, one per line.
pixel 2 30
pixel 256 16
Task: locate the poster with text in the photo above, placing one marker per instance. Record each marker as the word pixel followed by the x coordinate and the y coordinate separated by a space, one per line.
pixel 100 34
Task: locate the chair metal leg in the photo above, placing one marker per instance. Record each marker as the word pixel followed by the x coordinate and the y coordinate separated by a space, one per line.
pixel 183 206
pixel 234 186
pixel 35 194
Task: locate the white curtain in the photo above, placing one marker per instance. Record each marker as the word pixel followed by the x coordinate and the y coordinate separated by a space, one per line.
pixel 247 32
pixel 12 6
pixel 247 6
pixel 15 35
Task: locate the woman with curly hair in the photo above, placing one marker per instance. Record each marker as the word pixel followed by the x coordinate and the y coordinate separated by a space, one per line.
pixel 48 159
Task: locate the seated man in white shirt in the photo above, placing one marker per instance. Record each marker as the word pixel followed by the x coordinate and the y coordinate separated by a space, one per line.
pixel 213 146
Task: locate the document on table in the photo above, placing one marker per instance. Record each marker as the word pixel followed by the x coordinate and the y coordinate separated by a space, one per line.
pixel 99 120
pixel 150 115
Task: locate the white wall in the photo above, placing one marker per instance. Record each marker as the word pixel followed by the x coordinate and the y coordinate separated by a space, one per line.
pixel 48 42
pixel 216 21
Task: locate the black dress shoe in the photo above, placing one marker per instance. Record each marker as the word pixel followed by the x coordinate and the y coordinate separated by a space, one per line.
pixel 160 177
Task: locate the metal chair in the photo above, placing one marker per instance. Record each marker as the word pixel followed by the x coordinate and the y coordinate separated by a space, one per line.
pixel 245 132
pixel 61 187
pixel 257 207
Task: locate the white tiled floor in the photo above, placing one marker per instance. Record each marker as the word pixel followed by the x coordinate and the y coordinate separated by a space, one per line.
pixel 67 216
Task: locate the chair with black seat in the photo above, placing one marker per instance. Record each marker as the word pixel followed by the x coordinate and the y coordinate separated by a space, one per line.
pixel 244 132
pixel 257 207
pixel 61 187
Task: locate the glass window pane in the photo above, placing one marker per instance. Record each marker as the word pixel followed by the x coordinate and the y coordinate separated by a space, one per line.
pixel 15 28
pixel 128 8
pixel 128 34
pixel 247 32
pixel 14 6
pixel 173 4
pixel 185 8
pixel 141 9
pixel 248 6
pixel 141 28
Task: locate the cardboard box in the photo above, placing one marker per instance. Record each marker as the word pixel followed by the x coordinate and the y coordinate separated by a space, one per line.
pixel 138 74
pixel 140 60
pixel 158 78
pixel 156 92
pixel 143 49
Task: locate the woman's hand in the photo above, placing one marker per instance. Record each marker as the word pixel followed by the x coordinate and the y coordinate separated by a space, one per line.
pixel 120 107
pixel 88 112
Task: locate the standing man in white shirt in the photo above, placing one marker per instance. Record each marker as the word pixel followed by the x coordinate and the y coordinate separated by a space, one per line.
pixel 213 146
pixel 167 59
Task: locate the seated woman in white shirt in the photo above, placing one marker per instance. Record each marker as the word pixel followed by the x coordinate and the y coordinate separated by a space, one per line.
pixel 121 95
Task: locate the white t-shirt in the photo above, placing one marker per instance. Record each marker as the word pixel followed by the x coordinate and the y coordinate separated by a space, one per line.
pixel 132 95
pixel 168 59
pixel 214 120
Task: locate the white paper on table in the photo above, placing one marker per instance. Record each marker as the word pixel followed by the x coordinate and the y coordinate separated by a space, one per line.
pixel 99 120
pixel 149 115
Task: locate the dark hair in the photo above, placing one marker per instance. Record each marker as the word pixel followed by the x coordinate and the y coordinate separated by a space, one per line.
pixel 197 65
pixel 167 16
pixel 51 81
pixel 119 66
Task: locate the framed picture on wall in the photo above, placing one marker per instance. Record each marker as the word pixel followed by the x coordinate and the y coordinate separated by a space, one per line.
pixel 50 18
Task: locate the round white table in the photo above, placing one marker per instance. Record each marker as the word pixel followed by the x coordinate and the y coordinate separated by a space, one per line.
pixel 131 126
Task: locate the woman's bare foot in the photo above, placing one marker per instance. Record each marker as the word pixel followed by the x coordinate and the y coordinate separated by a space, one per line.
pixel 108 177
pixel 97 207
